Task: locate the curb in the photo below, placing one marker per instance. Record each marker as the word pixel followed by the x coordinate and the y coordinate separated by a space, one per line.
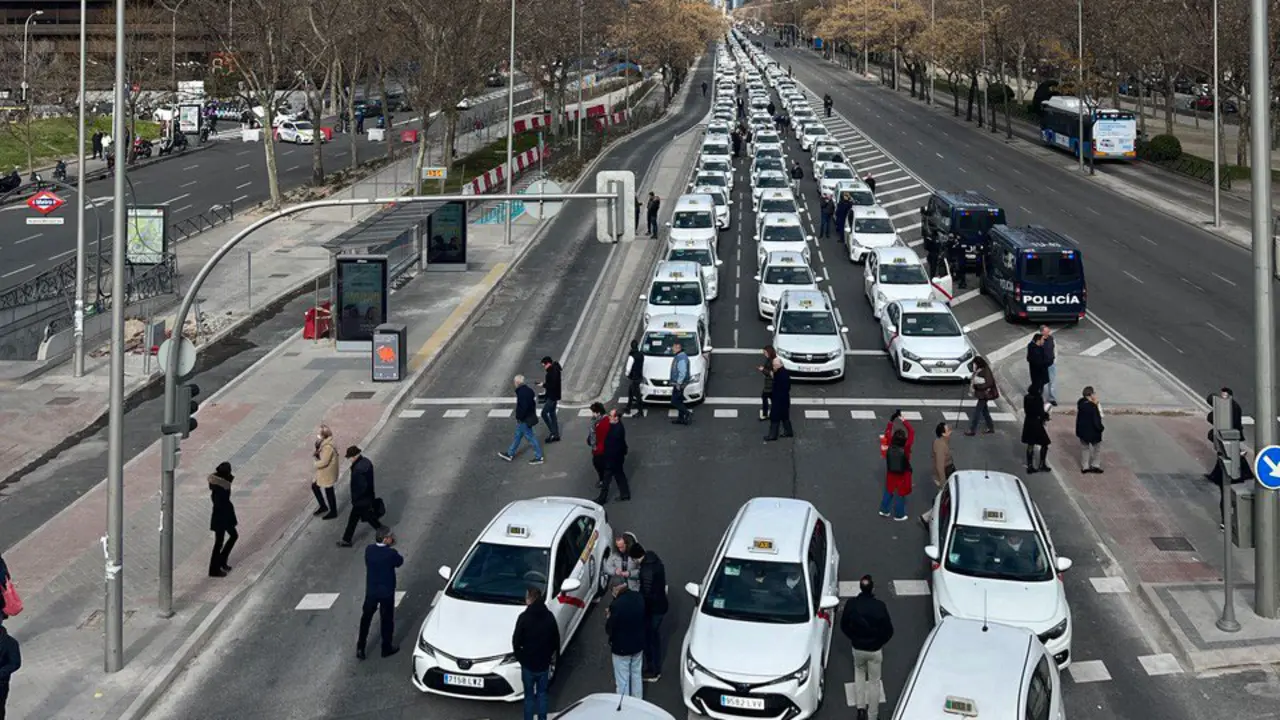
pixel 191 647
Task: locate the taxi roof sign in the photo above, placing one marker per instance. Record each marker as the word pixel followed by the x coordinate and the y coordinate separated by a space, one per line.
pixel 806 303
pixel 960 706
pixel 993 515
pixel 677 274
pixel 519 531
pixel 764 545
pixel 671 324
pixel 786 260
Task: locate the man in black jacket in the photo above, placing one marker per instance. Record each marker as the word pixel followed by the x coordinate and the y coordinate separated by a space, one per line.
pixel 551 386
pixel 867 625
pixel 625 625
pixel 10 663
pixel 363 495
pixel 653 588
pixel 1089 431
pixel 1051 357
pixel 526 418
pixel 635 376
pixel 380 562
pixel 615 455
pixel 535 642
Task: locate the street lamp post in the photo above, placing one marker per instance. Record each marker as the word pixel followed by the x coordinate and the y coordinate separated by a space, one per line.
pixel 986 106
pixel 1217 126
pixel 26 28
pixel 581 5
pixel 866 36
pixel 1080 78
pixel 933 25
pixel 77 358
pixel 113 544
pixel 511 117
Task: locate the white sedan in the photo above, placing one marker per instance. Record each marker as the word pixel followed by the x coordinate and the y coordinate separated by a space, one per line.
pixel 556 544
pixel 812 133
pixel 925 341
pixel 298 132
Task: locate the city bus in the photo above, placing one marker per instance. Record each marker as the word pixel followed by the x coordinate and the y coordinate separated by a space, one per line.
pixel 1112 132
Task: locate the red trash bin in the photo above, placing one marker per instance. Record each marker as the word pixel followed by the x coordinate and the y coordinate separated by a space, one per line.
pixel 317 322
pixel 326 133
pixel 408 136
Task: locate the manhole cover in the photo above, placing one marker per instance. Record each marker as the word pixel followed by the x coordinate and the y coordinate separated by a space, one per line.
pixel 361 394
pixel 1173 544
pixel 63 401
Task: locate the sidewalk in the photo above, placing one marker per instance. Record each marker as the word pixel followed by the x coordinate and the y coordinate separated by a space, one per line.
pixel 263 424
pixel 44 413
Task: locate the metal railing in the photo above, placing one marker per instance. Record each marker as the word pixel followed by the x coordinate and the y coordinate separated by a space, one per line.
pixel 216 215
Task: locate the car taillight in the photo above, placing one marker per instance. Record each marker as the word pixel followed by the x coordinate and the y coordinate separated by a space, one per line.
pixel 1017 292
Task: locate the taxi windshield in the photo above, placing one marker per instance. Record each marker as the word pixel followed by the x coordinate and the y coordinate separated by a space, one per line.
pixel 837 173
pixel 904 274
pixel 787 275
pixel 829 154
pixel 807 322
pixel 815 130
pixel 772 181
pixel 779 205
pixel 676 293
pixel 767 139
pixel 930 324
pixel 715 166
pixel 717 198
pixel 715 149
pixel 758 591
pixel 768 163
pixel 302 125
pixel 872 225
pixel 686 220
pixel 714 179
pixel 998 554
pixel 659 344
pixel 769 152
pixel 702 257
pixel 783 233
pixel 861 198
pixel 500 574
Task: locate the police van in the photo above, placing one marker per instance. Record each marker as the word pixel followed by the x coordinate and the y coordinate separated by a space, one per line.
pixel 976 669
pixel 704 254
pixel 1034 273
pixel 966 215
pixel 676 289
pixel 694 218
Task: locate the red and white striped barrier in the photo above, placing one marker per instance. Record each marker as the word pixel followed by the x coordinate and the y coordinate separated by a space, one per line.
pixel 611 119
pixel 591 111
pixel 537 121
pixel 497 177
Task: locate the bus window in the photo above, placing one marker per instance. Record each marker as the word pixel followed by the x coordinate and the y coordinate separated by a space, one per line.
pixel 1052 268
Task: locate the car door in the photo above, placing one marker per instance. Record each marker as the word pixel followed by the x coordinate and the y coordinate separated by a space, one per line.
pixel 574 559
pixel 943 285
pixel 869 277
pixel 703 341
pixel 889 324
pixel 818 566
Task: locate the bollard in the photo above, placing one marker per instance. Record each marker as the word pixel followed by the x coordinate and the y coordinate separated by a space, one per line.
pixel 248 266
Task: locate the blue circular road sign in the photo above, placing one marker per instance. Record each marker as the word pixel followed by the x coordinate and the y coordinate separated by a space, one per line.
pixel 1266 467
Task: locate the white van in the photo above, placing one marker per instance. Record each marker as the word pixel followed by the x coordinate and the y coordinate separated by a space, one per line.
pixel 694 218
pixel 969 668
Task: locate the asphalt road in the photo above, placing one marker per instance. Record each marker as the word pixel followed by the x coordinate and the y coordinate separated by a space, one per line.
pixel 443 483
pixel 229 172
pixel 1181 295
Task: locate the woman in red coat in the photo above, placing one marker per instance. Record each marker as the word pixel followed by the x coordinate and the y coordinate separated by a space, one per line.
pixel 897 481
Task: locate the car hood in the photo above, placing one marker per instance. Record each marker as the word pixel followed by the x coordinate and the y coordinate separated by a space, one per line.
pixel 942 348
pixel 690 310
pixel 875 240
pixel 808 344
pixel 906 292
pixel 659 368
pixel 451 628
pixel 1035 606
pixel 783 245
pixel 774 292
pixel 732 647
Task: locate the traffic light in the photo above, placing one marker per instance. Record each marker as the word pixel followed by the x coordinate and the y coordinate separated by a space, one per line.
pixel 186 406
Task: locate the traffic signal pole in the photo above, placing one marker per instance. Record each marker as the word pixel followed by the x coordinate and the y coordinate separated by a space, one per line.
pixel 178 402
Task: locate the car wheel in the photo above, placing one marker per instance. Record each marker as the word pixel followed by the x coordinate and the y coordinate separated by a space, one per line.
pixel 1009 315
pixel 897 366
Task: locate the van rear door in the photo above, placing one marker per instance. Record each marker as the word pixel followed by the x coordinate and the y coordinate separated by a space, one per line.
pixel 1051 284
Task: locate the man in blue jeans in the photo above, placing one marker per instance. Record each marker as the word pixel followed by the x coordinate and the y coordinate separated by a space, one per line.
pixel 653 588
pixel 551 386
pixel 534 643
pixel 626 627
pixel 679 378
pixel 526 418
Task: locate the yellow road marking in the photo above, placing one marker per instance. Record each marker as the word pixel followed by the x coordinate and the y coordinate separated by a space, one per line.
pixel 454 322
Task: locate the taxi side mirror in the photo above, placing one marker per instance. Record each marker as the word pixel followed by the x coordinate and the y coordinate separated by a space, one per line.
pixel 693 589
pixel 829 602
pixel 931 552
pixel 808 238
pixel 667 224
pixel 570 585
pixel 817 279
pixel 446 572
pixel 644 297
pixel 719 263
pixel 844 329
pixel 1064 564
pixel 706 350
pixel 769 328
pixel 756 278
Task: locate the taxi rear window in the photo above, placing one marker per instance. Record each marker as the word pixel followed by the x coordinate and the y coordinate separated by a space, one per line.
pixel 787 275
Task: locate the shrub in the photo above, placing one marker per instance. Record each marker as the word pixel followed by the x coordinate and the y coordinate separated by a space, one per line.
pixel 1163 148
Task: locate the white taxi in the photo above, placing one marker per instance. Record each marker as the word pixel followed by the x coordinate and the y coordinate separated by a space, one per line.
pixel 720 196
pixel 993 558
pixel 825 153
pixel 782 271
pixel 715 164
pixel 768 152
pixel 763 140
pixel 775 201
pixel 710 179
pixel 702 252
pixel 676 289
pixel 833 173
pixel 763 165
pixel 780 232
pixel 556 544
pixel 868 228
pixel 769 180
pixel 717 147
pixel 808 336
pixel 614 707
pixel 898 273
pixel 773 585
pixel 812 133
pixel 661 334
pixel 298 132
pixel 925 341
pixel 717 131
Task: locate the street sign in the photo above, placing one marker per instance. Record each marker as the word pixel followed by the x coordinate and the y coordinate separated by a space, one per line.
pixel 1266 467
pixel 615 224
pixel 186 356
pixel 435 173
pixel 542 210
pixel 45 202
pixel 46 221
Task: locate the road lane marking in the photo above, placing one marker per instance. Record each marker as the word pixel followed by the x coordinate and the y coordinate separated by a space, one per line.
pixel 887 163
pixel 1134 277
pixel 862 415
pixel 500 413
pixel 173 200
pixel 1099 348
pixel 11 273
pixel 242 167
pixel 241 187
pixel 317 601
pixel 895 180
pixel 983 321
pixel 912 198
pixel 964 297
pixel 908 213
pixel 817 415
pixel 183 208
pixel 726 413
pixel 1153 242
pixel 1089 671
pixel 910 588
pixel 1161 664
pixel 1006 351
pixel 411 414
pixel 1170 344
pixel 1109 585
pixel 189 184
pixel 1220 331
pixel 244 152
pixel 457 414
pixel 1221 278
pixel 54 258
pixel 190 167
pixel 242 197
pixel 28 238
pixel 1192 284
pixel 295 167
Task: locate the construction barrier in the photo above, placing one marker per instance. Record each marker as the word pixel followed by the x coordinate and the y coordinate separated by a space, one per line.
pixel 326 133
pixel 408 136
pixel 497 177
pixel 611 119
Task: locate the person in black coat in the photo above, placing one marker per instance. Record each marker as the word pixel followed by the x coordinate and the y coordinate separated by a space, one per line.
pixel 625 626
pixel 10 663
pixel 380 562
pixel 843 208
pixel 653 588
pixel 615 455
pixel 1034 432
pixel 780 402
pixel 363 495
pixel 535 642
pixel 1089 431
pixel 4 579
pixel 1038 360
pixel 222 520
pixel 867 624
pixel 552 387
pixel 635 376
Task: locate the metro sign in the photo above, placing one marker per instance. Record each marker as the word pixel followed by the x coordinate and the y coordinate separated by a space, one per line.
pixel 45 202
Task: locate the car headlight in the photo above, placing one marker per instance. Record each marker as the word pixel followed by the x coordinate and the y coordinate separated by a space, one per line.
pixel 910 355
pixel 424 647
pixel 770 302
pixel 967 356
pixel 647 318
pixel 801 676
pixel 692 666
pixel 880 300
pixel 1054 632
pixel 784 353
pixel 695 378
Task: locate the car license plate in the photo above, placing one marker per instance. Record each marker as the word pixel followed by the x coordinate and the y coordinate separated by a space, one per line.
pixel 662 391
pixel 1037 308
pixel 741 703
pixel 808 368
pixel 469 681
pixel 939 370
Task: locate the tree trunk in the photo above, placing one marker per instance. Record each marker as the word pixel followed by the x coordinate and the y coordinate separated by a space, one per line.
pixel 1008 118
pixel 953 79
pixel 1168 105
pixel 1020 67
pixel 266 99
pixel 973 94
pixel 386 110
pixel 450 136
pixel 315 102
pixel 420 161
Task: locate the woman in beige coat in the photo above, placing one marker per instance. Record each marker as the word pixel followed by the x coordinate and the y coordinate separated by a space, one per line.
pixel 326 463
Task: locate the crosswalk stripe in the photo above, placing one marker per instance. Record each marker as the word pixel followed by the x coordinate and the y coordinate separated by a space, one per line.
pixel 817 414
